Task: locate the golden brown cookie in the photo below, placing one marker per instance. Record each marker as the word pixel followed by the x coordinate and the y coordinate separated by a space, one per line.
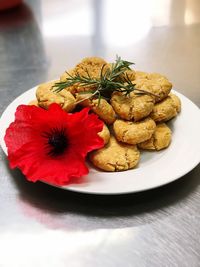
pixel 160 139
pixel 128 74
pixel 103 109
pixel 166 109
pixel 133 106
pixel 46 96
pixel 105 134
pixel 115 156
pixel 154 83
pixel 89 66
pixel 66 75
pixel 177 102
pixel 141 75
pixel 134 132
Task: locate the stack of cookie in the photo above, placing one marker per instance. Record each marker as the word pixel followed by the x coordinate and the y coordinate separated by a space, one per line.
pixel 131 122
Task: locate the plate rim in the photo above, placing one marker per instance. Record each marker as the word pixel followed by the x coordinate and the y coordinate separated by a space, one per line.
pixel 93 192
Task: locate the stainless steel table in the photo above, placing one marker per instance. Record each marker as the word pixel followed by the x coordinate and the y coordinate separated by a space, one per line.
pixel 44 226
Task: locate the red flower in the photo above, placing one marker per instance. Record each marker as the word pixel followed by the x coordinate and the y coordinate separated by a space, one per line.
pixel 51 145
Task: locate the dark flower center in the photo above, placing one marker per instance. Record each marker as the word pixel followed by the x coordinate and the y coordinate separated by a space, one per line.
pixel 57 141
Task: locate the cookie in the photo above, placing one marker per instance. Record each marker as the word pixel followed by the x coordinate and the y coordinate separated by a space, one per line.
pixel 177 102
pixel 141 75
pixel 115 156
pixel 154 83
pixel 66 75
pixel 132 107
pixel 89 66
pixel 105 134
pixel 128 74
pixel 46 96
pixel 160 139
pixel 102 108
pixel 134 132
pixel 166 109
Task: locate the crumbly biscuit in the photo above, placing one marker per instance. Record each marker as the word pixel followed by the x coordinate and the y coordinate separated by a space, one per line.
pixel 154 83
pixel 33 103
pixel 160 139
pixel 134 132
pixel 102 108
pixel 156 76
pixel 66 75
pixel 177 102
pixel 141 75
pixel 46 96
pixel 115 156
pixel 166 109
pixel 105 134
pixel 132 107
pixel 89 66
pixel 128 74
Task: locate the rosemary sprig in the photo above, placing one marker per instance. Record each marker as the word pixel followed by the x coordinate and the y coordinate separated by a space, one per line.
pixel 109 81
pixel 119 67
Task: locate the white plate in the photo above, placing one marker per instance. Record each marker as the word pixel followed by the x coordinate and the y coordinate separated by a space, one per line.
pixel 155 168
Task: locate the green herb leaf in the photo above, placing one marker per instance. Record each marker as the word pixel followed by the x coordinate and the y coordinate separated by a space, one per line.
pixel 109 81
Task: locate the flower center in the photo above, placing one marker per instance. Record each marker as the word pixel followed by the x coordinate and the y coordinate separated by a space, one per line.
pixel 57 141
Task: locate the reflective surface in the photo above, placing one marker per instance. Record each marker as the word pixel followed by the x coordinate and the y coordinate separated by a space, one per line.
pixel 44 226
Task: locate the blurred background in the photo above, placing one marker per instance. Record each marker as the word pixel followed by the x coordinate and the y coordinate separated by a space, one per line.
pixel 40 39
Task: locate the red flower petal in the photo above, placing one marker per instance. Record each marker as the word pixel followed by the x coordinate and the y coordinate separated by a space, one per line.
pixel 84 138
pixel 28 149
pixel 57 170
